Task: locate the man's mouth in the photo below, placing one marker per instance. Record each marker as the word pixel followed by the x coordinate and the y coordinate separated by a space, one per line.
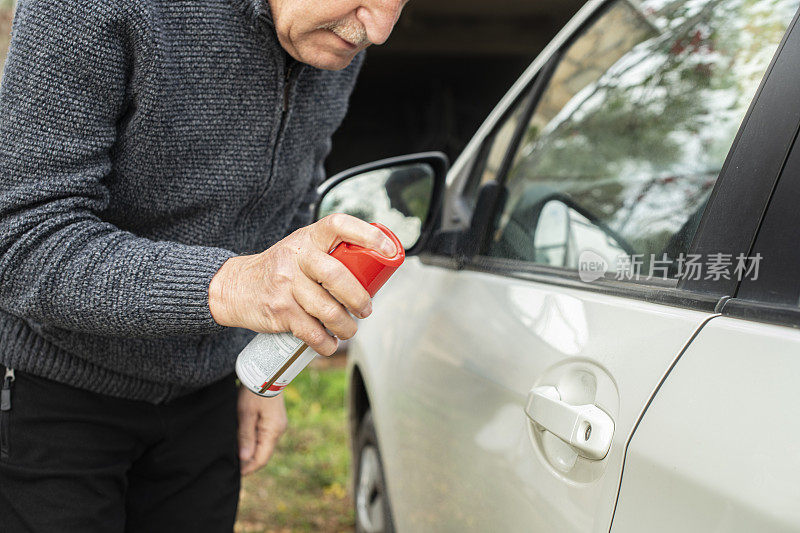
pixel 351 44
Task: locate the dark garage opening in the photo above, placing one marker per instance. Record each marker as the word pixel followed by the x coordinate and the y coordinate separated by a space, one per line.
pixel 444 69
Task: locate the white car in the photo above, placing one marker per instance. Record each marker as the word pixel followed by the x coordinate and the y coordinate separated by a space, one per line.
pixel 597 325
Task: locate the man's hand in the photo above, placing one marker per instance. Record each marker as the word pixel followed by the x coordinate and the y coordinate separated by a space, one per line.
pixel 262 421
pixel 296 286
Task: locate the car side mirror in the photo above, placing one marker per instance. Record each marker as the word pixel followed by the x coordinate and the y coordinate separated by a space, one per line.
pixel 403 193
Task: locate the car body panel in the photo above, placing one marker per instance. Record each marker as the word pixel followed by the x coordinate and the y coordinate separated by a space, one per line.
pixel 717 450
pixel 449 402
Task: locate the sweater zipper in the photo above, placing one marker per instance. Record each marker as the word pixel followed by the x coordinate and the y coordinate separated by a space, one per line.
pixel 5 412
pixel 289 80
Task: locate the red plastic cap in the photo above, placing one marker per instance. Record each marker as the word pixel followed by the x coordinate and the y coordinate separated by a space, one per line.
pixel 370 267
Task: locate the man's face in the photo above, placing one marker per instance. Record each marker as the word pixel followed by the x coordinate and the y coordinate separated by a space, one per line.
pixel 327 34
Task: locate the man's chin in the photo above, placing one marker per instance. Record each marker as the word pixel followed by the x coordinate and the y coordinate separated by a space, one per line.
pixel 329 60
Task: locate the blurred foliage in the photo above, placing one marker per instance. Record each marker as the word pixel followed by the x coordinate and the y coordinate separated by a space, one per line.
pixel 632 113
pixel 304 486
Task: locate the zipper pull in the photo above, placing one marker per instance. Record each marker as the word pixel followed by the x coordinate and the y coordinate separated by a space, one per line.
pixel 5 394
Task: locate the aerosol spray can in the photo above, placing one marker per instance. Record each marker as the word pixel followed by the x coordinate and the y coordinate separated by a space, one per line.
pixel 272 360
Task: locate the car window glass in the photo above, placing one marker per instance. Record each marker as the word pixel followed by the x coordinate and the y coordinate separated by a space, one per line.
pixel 626 143
pixel 496 148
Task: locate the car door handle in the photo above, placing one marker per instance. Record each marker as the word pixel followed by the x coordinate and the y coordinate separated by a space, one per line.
pixel 587 428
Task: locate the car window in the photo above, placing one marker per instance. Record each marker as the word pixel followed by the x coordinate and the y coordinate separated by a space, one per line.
pixel 495 149
pixel 626 143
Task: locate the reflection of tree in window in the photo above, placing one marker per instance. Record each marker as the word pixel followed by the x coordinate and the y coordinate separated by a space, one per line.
pixel 639 116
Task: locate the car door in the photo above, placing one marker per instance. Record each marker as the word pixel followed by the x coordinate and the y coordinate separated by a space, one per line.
pixel 716 449
pixel 585 288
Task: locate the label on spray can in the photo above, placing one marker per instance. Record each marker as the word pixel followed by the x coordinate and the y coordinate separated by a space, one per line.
pixel 263 357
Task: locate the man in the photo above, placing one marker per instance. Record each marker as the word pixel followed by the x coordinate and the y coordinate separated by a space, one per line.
pixel 153 157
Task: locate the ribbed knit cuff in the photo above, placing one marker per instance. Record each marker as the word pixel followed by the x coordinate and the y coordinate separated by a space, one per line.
pixel 179 295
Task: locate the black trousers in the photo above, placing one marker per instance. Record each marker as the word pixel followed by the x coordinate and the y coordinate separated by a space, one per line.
pixel 76 461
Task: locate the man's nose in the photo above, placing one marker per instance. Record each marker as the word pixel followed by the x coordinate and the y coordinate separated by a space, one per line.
pixel 379 18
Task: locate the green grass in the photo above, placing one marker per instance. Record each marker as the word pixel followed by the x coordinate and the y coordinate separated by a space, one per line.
pixel 304 486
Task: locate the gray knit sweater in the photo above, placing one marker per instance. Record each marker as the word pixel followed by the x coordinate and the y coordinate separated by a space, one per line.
pixel 143 143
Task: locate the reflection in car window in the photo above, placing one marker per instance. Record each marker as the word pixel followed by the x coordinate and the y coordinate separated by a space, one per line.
pixel 628 139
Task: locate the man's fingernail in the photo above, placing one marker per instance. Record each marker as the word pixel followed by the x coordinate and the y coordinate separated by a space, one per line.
pixel 388 248
pixel 366 311
pixel 245 453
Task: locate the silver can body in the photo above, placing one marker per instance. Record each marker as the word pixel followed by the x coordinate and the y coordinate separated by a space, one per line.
pixel 271 361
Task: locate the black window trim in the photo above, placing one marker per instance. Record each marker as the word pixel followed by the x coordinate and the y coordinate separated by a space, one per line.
pixel 765 313
pixel 774 297
pixel 731 190
pixel 778 283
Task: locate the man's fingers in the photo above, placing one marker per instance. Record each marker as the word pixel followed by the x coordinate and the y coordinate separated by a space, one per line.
pixel 339 227
pixel 266 421
pixel 337 280
pixel 310 330
pixel 248 417
pixel 267 439
pixel 318 303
